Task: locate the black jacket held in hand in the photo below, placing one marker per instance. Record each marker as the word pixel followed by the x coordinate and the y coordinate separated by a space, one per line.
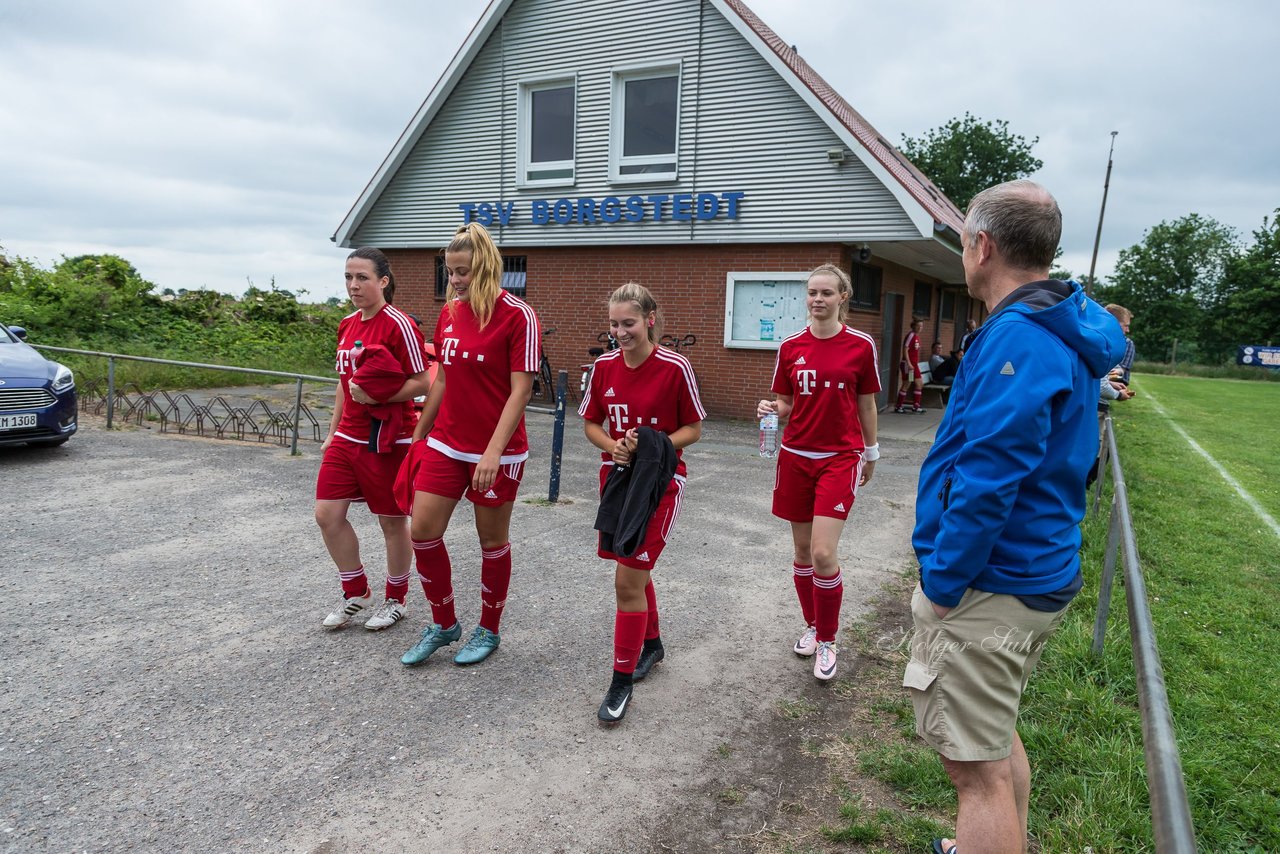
pixel 632 492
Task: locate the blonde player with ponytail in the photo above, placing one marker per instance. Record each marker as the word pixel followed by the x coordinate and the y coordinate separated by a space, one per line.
pixel 826 380
pixel 487 342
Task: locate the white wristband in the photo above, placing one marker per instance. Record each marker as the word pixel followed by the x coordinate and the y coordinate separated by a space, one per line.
pixel 871 453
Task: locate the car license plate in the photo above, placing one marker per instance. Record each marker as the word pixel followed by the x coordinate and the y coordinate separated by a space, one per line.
pixel 16 422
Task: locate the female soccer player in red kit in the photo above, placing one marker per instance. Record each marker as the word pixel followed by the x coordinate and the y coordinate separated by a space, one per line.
pixel 487 343
pixel 826 380
pixel 909 369
pixel 349 469
pixel 639 384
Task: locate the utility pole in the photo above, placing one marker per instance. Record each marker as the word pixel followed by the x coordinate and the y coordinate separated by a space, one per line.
pixel 1106 185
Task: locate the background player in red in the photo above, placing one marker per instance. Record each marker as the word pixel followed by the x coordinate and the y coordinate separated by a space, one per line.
pixel 639 384
pixel 826 380
pixel 349 470
pixel 909 369
pixel 487 343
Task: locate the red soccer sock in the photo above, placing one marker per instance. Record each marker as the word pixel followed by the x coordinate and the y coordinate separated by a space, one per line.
pixel 398 587
pixel 354 583
pixel 902 397
pixel 651 630
pixel 436 574
pixel 803 578
pixel 827 595
pixel 917 397
pixel 628 639
pixel 495 580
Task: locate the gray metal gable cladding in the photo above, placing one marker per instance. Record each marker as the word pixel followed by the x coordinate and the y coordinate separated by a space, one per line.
pixel 742 128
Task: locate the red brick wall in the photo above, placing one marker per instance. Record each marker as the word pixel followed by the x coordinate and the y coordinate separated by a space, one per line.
pixel 569 288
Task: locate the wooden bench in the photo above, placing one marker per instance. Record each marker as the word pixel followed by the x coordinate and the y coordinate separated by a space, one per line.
pixel 943 389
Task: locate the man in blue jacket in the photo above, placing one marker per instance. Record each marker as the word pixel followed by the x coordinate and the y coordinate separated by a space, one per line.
pixel 1000 500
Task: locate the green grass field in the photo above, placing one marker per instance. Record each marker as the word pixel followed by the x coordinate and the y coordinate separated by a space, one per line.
pixel 1212 570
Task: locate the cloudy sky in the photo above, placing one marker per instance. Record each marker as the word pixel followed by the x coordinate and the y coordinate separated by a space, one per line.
pixel 215 143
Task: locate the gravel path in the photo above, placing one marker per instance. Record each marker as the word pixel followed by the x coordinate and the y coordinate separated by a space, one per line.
pixel 167 685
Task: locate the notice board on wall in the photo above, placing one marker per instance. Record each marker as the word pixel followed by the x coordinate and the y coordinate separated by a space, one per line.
pixel 764 308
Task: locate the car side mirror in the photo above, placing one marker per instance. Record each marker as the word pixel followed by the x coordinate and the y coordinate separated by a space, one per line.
pixel 19 332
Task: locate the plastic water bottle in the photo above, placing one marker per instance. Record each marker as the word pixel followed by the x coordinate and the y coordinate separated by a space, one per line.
pixel 357 350
pixel 769 435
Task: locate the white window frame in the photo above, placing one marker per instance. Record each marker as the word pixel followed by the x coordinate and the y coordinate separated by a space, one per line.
pixel 524 139
pixel 622 74
pixel 800 279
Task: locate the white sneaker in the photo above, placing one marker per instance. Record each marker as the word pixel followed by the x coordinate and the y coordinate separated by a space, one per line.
pixel 808 643
pixel 824 664
pixel 388 613
pixel 347 609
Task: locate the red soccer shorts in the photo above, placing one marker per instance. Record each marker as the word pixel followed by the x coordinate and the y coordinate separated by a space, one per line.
pixel 910 371
pixel 349 471
pixel 443 475
pixel 805 488
pixel 659 528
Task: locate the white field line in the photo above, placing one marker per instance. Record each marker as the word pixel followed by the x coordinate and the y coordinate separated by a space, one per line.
pixel 1248 499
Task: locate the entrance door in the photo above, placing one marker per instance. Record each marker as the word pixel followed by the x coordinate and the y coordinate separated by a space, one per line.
pixel 891 347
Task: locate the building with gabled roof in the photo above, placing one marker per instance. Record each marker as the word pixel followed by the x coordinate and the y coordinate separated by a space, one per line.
pixel 678 143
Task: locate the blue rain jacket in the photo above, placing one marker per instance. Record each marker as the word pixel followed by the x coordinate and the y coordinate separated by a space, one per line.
pixel 1002 491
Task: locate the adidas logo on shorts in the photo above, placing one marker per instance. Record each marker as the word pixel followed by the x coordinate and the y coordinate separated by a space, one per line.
pixel 840 508
pixel 491 494
pixel 642 556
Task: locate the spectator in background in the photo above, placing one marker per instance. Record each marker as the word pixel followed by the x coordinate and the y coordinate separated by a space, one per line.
pixel 1125 317
pixel 936 358
pixel 970 330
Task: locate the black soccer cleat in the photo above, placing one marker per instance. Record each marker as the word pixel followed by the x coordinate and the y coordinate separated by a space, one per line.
pixel 649 659
pixel 616 700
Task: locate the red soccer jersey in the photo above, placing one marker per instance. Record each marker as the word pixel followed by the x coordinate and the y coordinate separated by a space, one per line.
pixel 661 393
pixel 911 350
pixel 477 365
pixel 824 377
pixel 396 331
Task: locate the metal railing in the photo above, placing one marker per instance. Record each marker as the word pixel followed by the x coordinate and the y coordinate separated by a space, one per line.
pixel 225 419
pixel 1170 812
pixel 218 412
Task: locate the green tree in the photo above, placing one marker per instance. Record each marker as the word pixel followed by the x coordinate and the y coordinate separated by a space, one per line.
pixel 1174 282
pixel 967 155
pixel 1250 309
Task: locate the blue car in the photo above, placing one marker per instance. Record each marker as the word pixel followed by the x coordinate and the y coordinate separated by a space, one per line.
pixel 37 396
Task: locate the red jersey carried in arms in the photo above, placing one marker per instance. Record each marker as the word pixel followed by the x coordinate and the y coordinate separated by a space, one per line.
pixel 661 393
pixel 477 365
pixel 396 331
pixel 824 377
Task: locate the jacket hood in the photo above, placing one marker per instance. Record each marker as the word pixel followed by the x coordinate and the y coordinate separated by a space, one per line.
pixel 1082 324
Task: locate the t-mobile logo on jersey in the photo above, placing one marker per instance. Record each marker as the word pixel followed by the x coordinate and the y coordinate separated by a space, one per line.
pixel 807 380
pixel 447 349
pixel 618 416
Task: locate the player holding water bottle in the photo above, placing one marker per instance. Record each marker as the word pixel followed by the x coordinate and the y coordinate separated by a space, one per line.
pixel 826 381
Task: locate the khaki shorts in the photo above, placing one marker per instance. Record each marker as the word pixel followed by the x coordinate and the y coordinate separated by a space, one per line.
pixel 968 670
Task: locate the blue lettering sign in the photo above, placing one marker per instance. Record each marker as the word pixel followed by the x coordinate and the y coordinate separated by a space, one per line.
pixel 681 207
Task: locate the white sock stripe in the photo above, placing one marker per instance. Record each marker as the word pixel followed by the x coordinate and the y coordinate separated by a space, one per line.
pixel 398 579
pixel 828 583
pixel 426 544
pixel 352 575
pixel 802 570
pixel 499 552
